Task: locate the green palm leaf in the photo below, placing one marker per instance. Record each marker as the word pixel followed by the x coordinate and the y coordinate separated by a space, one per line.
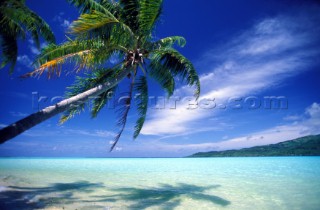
pixel 9 49
pixel 83 84
pixel 113 6
pixel 37 26
pixel 123 108
pixel 100 101
pixel 168 42
pixel 86 6
pixel 16 20
pixel 162 75
pixel 104 26
pixel 178 65
pixel 84 53
pixel 130 12
pixel 149 13
pixel 141 87
pixel 10 21
pixel 92 21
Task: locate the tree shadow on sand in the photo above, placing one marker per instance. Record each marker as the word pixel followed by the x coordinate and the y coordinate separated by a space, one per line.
pixel 14 197
pixel 164 196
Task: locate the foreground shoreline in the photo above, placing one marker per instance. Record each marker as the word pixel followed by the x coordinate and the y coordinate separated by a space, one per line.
pixel 160 183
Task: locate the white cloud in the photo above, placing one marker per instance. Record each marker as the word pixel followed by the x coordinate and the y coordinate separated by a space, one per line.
pixel 3 125
pixel 273 36
pixel 312 123
pixel 43 45
pixel 309 125
pixel 114 59
pixel 292 118
pixel 95 133
pixel 15 95
pixel 70 132
pixel 64 23
pixel 260 58
pixel 25 60
pixel 34 50
pixel 33 47
pixel 18 114
pixel 313 111
pixel 118 149
pixel 31 41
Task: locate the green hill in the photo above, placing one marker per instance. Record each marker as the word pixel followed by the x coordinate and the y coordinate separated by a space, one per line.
pixel 305 146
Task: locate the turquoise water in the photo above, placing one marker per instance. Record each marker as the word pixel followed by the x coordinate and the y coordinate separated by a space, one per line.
pixel 212 183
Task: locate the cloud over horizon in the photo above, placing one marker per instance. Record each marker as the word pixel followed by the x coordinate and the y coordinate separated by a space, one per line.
pixel 307 124
pixel 258 59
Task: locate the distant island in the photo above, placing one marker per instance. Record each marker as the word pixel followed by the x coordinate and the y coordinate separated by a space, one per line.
pixel 304 146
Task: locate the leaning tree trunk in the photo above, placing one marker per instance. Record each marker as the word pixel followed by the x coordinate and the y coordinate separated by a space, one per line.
pixel 34 119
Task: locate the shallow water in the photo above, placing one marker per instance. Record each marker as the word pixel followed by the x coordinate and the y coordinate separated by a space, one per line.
pixel 172 183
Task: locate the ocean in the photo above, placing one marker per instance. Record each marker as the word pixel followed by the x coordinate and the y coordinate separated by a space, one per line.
pixel 160 183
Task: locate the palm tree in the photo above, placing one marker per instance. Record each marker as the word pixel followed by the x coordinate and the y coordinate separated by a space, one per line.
pixel 105 29
pixel 16 21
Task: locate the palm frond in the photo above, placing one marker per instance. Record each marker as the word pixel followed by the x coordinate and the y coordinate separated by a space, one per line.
pixel 168 42
pixel 83 84
pixel 9 50
pixel 101 100
pixel 149 13
pixel 39 28
pixel 141 87
pixel 162 75
pixel 20 16
pixel 178 65
pixel 54 66
pixel 84 53
pixel 92 21
pixel 129 14
pixel 86 6
pixel 16 20
pixel 113 6
pixel 123 108
pixel 10 24
pixel 72 111
pixel 104 26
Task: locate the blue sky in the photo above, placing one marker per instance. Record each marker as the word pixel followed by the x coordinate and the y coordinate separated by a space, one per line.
pixel 244 51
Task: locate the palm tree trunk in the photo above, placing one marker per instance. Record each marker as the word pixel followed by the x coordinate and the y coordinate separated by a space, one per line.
pixel 34 119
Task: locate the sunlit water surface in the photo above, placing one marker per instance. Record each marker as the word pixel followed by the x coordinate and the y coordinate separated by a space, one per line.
pixel 185 183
